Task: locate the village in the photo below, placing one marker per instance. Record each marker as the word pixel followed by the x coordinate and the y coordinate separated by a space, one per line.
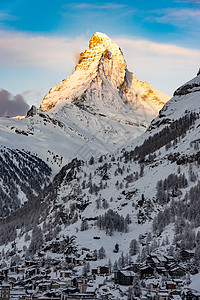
pixel 159 277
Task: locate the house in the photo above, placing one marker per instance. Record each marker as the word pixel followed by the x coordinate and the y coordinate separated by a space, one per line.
pixel 94 271
pixel 102 270
pixel 154 286
pixel 124 277
pixel 177 272
pixel 187 254
pixel 21 270
pixel 170 285
pixel 153 261
pixel 146 272
pixel 156 261
pixel 90 257
pixel 170 259
pixel 44 285
pixel 29 263
pixel 81 284
pixel 31 271
pixel 65 274
pixel 193 295
pixel 161 270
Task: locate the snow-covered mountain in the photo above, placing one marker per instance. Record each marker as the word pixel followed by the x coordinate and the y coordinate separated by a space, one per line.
pixel 97 109
pixel 149 186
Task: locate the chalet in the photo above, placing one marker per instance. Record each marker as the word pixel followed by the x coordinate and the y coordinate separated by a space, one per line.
pixel 29 263
pixel 129 268
pixel 154 286
pixel 177 272
pixel 94 271
pixel 146 272
pixel 124 277
pixel 169 258
pixel 79 262
pixel 153 261
pixel 178 281
pixel 81 284
pixel 55 285
pixel 161 270
pixel 13 269
pixel 65 274
pixel 90 257
pixel 170 285
pixel 156 261
pixel 21 270
pixel 101 270
pixel 187 254
pixel 192 295
pixel 74 261
pixel 44 285
pixel 32 271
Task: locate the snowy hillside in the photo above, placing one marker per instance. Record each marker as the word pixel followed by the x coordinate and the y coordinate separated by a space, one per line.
pixel 121 207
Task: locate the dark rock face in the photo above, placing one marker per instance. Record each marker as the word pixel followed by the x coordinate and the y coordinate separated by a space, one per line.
pixel 186 89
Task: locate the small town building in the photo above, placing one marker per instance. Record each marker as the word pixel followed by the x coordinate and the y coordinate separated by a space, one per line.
pixel 124 277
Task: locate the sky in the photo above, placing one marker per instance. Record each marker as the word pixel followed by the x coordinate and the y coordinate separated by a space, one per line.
pixel 40 41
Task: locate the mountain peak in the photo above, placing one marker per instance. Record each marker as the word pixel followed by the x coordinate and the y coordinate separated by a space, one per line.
pixel 101 48
pixel 101 79
pixel 98 39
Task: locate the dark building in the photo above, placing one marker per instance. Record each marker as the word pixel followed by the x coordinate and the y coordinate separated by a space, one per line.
pixel 5 290
pixel 124 277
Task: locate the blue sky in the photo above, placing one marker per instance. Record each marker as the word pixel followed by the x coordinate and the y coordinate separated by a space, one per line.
pixel 40 40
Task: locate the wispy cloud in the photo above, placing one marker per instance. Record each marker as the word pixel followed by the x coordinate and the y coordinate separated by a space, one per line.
pixel 6 17
pixel 166 66
pixel 178 17
pixel 37 50
pixel 96 6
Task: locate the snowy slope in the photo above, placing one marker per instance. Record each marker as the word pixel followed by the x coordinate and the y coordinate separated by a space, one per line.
pixel 118 181
pixel 117 197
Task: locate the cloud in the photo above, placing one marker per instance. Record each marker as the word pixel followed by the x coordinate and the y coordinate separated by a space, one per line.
pixel 19 49
pixel 96 6
pixel 12 105
pixel 165 66
pixel 177 17
pixel 6 17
